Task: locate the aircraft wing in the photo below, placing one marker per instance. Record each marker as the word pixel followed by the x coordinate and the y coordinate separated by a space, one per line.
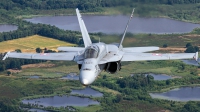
pixel 73 49
pixel 140 49
pixel 42 56
pixel 157 56
pixel 85 35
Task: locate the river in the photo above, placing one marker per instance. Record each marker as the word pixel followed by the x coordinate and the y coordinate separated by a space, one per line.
pixel 116 24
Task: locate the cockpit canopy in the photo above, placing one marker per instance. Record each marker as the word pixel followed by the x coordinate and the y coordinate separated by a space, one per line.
pixel 91 52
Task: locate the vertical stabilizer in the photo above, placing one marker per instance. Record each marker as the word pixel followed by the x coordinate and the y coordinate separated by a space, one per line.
pixel 126 28
pixel 85 35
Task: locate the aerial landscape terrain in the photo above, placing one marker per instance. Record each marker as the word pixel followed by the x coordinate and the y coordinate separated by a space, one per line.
pixel 37 26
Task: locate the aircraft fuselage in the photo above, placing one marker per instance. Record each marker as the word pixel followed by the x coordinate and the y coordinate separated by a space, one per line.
pixel 90 66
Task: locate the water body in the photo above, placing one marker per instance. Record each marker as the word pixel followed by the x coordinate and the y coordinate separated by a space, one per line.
pixel 7 28
pixel 159 76
pixel 182 94
pixel 191 62
pixel 34 77
pixel 87 92
pixel 116 24
pixel 71 76
pixel 37 110
pixel 58 101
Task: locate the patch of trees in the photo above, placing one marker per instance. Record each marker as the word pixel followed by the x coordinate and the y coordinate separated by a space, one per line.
pixel 191 49
pixel 136 81
pixel 8 105
pixel 191 106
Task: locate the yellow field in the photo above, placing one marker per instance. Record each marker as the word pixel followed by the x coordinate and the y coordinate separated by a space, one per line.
pixel 29 44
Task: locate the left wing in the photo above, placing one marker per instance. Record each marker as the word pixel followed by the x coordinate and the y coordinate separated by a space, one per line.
pixel 42 56
pixel 157 56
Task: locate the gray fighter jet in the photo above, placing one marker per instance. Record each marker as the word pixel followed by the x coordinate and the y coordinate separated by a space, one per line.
pixel 96 57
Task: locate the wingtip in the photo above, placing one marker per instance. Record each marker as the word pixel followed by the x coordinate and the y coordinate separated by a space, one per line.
pixel 196 56
pixel 6 56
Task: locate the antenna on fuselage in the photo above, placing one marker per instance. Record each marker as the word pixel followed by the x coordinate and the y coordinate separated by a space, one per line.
pixel 126 28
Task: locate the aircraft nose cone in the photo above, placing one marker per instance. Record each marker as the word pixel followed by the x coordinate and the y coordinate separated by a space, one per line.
pixel 85 82
pixel 87 77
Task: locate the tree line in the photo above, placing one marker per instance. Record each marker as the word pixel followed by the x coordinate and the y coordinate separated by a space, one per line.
pixel 81 4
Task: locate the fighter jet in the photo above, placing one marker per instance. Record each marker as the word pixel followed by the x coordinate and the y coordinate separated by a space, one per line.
pixel 97 57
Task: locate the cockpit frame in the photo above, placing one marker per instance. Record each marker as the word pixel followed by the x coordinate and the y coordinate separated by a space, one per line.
pixel 91 52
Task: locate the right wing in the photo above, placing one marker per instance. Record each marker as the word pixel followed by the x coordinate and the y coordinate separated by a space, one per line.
pixel 85 35
pixel 140 49
pixel 42 56
pixel 157 56
pixel 72 49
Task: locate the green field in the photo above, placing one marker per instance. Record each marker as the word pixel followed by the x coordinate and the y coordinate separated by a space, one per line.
pixel 135 40
pixel 29 44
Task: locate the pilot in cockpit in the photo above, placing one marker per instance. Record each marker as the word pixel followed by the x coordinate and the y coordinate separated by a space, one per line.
pixel 91 52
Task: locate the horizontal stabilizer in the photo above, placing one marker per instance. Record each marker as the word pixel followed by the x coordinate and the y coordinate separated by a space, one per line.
pixel 71 49
pixel 140 49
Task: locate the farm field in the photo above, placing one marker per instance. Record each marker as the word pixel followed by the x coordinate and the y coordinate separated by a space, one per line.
pixel 30 43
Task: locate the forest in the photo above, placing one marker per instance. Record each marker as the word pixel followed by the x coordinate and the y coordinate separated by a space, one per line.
pixel 81 4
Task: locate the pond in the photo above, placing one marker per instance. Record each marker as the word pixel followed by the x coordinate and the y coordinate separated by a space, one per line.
pixel 7 28
pixel 71 76
pixel 181 94
pixel 58 101
pixel 159 76
pixel 34 77
pixel 116 24
pixel 87 92
pixel 191 62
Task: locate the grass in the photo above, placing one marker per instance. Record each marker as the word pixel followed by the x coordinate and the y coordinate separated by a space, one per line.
pixel 104 89
pixel 29 44
pixel 90 108
pixel 48 72
pixel 172 40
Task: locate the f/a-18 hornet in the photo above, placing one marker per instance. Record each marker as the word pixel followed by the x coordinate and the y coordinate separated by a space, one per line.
pixel 96 57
